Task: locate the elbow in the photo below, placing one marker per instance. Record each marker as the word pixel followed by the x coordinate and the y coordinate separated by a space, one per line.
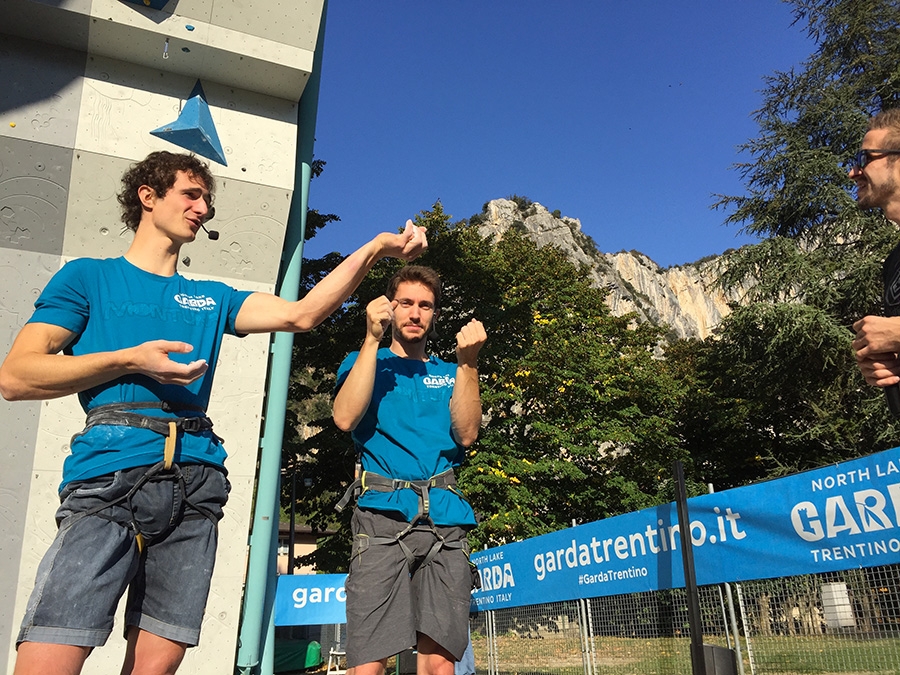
pixel 343 422
pixel 303 320
pixel 466 438
pixel 303 324
pixel 10 388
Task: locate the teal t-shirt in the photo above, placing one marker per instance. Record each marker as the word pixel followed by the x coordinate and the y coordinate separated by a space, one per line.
pixel 110 304
pixel 406 433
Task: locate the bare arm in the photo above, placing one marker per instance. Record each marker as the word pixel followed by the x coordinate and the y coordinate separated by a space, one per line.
pixel 34 369
pixel 465 404
pixel 264 313
pixel 355 394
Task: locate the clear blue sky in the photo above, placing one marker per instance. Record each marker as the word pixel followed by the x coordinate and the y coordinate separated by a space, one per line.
pixel 624 115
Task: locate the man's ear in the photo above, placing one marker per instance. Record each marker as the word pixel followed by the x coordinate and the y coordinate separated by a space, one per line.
pixel 147 195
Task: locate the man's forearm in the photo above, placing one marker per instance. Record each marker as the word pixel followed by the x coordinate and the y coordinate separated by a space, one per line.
pixel 332 291
pixel 465 405
pixel 354 396
pixel 46 376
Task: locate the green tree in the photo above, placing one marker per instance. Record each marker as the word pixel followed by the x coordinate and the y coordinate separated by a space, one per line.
pixel 576 405
pixel 774 393
pixel 777 389
pixel 820 249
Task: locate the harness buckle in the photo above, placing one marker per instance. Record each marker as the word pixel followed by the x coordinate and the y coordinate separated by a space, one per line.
pixel 192 425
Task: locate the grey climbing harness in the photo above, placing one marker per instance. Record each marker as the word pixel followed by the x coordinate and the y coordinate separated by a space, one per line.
pixel 369 480
pixel 118 414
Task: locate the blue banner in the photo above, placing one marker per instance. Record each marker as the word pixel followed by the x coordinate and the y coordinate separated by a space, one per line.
pixel 310 599
pixel 837 517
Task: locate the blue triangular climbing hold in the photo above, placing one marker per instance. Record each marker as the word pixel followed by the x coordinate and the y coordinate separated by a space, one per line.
pixel 194 129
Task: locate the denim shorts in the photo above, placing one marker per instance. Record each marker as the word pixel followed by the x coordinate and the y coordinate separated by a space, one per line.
pixel 95 557
pixel 387 604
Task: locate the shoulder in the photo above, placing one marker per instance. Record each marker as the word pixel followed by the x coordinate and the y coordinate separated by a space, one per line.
pixel 85 266
pixel 348 362
pixel 77 274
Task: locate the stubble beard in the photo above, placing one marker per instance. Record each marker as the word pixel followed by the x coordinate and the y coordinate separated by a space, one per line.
pixel 410 339
pixel 871 197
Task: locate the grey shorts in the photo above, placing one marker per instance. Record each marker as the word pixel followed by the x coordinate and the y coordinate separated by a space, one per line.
pixel 94 558
pixel 387 605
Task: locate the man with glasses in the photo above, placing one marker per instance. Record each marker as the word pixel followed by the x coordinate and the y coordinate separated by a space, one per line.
pixel 876 172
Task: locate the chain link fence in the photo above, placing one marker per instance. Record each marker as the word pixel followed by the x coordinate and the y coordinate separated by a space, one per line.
pixel 839 622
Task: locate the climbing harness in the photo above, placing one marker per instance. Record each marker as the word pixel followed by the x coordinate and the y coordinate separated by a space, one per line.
pixel 119 414
pixel 368 480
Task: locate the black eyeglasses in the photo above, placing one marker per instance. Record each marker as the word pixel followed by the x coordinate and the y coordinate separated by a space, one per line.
pixel 863 157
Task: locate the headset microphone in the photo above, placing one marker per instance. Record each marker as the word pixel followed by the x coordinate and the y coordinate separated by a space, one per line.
pixel 212 234
pixel 210 214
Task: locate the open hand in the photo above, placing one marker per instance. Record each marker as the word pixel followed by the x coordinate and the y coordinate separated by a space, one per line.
pixel 152 359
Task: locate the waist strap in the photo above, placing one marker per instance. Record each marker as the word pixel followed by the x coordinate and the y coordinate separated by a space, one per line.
pixel 369 480
pixel 117 414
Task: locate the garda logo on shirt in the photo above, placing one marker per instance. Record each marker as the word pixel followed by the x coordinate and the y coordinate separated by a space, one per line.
pixel 438 381
pixel 195 302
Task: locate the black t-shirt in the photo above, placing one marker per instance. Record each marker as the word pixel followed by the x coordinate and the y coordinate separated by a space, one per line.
pixel 890 274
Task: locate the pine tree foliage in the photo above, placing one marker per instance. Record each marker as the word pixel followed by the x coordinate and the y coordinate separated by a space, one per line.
pixel 777 389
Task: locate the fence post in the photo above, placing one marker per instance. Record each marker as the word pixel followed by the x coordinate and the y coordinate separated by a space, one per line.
pixel 747 626
pixel 734 627
pixel 493 657
pixel 584 632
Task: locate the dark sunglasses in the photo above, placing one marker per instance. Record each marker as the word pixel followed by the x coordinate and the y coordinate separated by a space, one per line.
pixel 863 157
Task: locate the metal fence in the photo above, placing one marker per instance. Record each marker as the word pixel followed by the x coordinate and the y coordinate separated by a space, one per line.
pixel 838 622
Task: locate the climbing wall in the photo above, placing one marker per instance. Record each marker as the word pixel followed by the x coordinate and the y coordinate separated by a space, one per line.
pixel 89 87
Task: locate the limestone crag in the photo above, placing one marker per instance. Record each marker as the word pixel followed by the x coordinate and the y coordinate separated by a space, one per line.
pixel 684 298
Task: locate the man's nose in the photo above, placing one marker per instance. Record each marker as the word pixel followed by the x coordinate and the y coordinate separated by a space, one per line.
pixel 201 208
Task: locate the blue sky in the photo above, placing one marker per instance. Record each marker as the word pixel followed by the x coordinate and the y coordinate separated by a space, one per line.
pixel 624 115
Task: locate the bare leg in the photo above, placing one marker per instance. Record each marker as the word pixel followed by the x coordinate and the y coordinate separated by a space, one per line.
pixel 40 657
pixel 432 658
pixel 373 668
pixel 150 654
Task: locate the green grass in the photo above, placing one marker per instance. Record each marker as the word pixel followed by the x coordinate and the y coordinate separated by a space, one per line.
pixel 560 654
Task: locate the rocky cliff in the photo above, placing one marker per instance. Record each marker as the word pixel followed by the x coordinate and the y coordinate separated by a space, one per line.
pixel 684 298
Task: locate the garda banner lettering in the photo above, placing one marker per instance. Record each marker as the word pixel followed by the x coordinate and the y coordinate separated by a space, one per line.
pixel 310 599
pixel 838 517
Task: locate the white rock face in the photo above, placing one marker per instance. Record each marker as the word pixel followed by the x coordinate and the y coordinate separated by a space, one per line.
pixel 684 298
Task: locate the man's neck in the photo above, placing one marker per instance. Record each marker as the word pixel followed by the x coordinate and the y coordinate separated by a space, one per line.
pixel 409 350
pixel 157 255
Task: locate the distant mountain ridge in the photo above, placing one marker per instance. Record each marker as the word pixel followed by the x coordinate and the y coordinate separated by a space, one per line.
pixel 684 297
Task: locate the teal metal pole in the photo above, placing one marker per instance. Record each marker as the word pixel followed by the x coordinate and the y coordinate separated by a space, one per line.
pixel 257 616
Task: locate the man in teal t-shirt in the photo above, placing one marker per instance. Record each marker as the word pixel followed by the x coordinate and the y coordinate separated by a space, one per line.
pixel 412 416
pixel 144 485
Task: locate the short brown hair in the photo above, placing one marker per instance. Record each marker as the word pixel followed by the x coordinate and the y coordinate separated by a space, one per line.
pixel 888 119
pixel 158 170
pixel 418 274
